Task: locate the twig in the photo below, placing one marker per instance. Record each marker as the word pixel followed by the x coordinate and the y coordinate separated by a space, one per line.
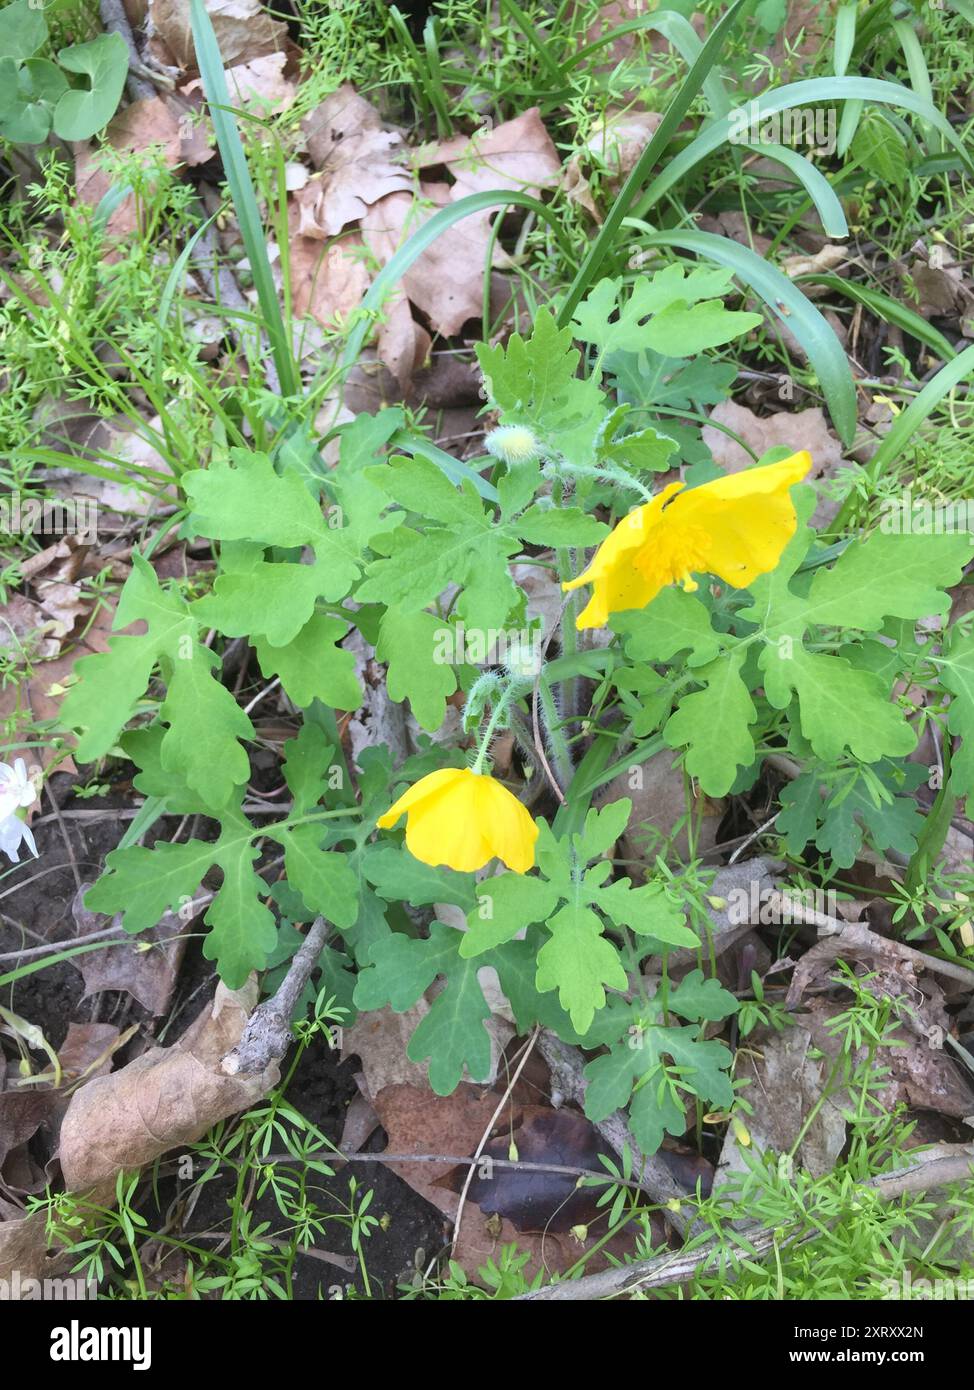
pixel 267 1035
pixel 115 20
pixel 681 1265
pixel 856 934
pixel 529 1048
pixel 53 946
pixel 58 816
pixel 515 1165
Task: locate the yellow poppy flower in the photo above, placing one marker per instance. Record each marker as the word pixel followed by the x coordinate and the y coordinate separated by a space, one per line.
pixel 735 527
pixel 462 818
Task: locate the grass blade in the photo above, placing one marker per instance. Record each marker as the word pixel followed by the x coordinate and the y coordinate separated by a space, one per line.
pixel 815 91
pixel 667 127
pixel 889 309
pixel 420 241
pixel 242 192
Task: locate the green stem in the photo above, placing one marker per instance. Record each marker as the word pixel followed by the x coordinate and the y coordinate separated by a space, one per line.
pixel 495 716
pixel 556 737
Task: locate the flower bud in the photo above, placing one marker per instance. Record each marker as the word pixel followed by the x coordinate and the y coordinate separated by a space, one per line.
pixel 513 444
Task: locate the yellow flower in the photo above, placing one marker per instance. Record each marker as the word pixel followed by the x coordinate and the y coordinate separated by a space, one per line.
pixel 735 527
pixel 463 818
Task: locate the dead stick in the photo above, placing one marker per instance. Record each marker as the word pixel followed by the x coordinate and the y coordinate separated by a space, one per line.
pixel 683 1264
pixel 115 20
pixel 268 1035
pixel 857 934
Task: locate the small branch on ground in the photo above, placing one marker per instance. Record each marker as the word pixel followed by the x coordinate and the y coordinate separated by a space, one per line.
pixel 268 1035
pixel 115 20
pixel 681 1265
pixel 857 934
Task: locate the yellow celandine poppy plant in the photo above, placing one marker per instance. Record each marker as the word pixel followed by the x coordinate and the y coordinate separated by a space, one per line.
pixel 463 818
pixel 735 527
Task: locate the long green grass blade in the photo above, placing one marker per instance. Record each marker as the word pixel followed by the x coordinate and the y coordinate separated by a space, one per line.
pixel 242 192
pixel 678 31
pixel 814 182
pixel 886 308
pixel 667 127
pixel 815 91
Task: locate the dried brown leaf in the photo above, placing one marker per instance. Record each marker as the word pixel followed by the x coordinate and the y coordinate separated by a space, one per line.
pixel 166 1098
pixel 244 30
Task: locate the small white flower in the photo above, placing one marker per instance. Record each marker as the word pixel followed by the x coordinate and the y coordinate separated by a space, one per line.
pixel 16 790
pixel 14 832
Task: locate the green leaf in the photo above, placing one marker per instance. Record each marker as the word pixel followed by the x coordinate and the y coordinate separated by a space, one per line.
pixel 452 1034
pixel 674 622
pixel 398 877
pixel 270 601
pixel 648 911
pixel 840 707
pixel 312 666
pixel 560 526
pixel 324 878
pixel 637 1064
pixel 696 997
pixel 857 592
pixel 144 747
pixel 246 499
pixel 880 149
pixel 672 313
pixel 578 961
pixel 80 114
pixel 144 884
pixel 506 904
pixel 408 643
pixel 23 30
pixel 242 929
pixel 534 382
pixel 419 568
pixel 205 722
pixel 713 725
pixel 957 677
pixel 602 828
pixel 308 763
pixel 111 683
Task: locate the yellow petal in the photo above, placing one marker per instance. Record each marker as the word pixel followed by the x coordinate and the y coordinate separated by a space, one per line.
pixel 617 585
pixel 510 829
pixel 749 518
pixel 426 786
pixel 626 537
pixel 462 819
pixel 445 830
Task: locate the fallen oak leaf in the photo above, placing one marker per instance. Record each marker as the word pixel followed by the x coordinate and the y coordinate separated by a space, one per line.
pixel 167 1098
pixel 244 30
pixel 359 163
pixel 446 281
